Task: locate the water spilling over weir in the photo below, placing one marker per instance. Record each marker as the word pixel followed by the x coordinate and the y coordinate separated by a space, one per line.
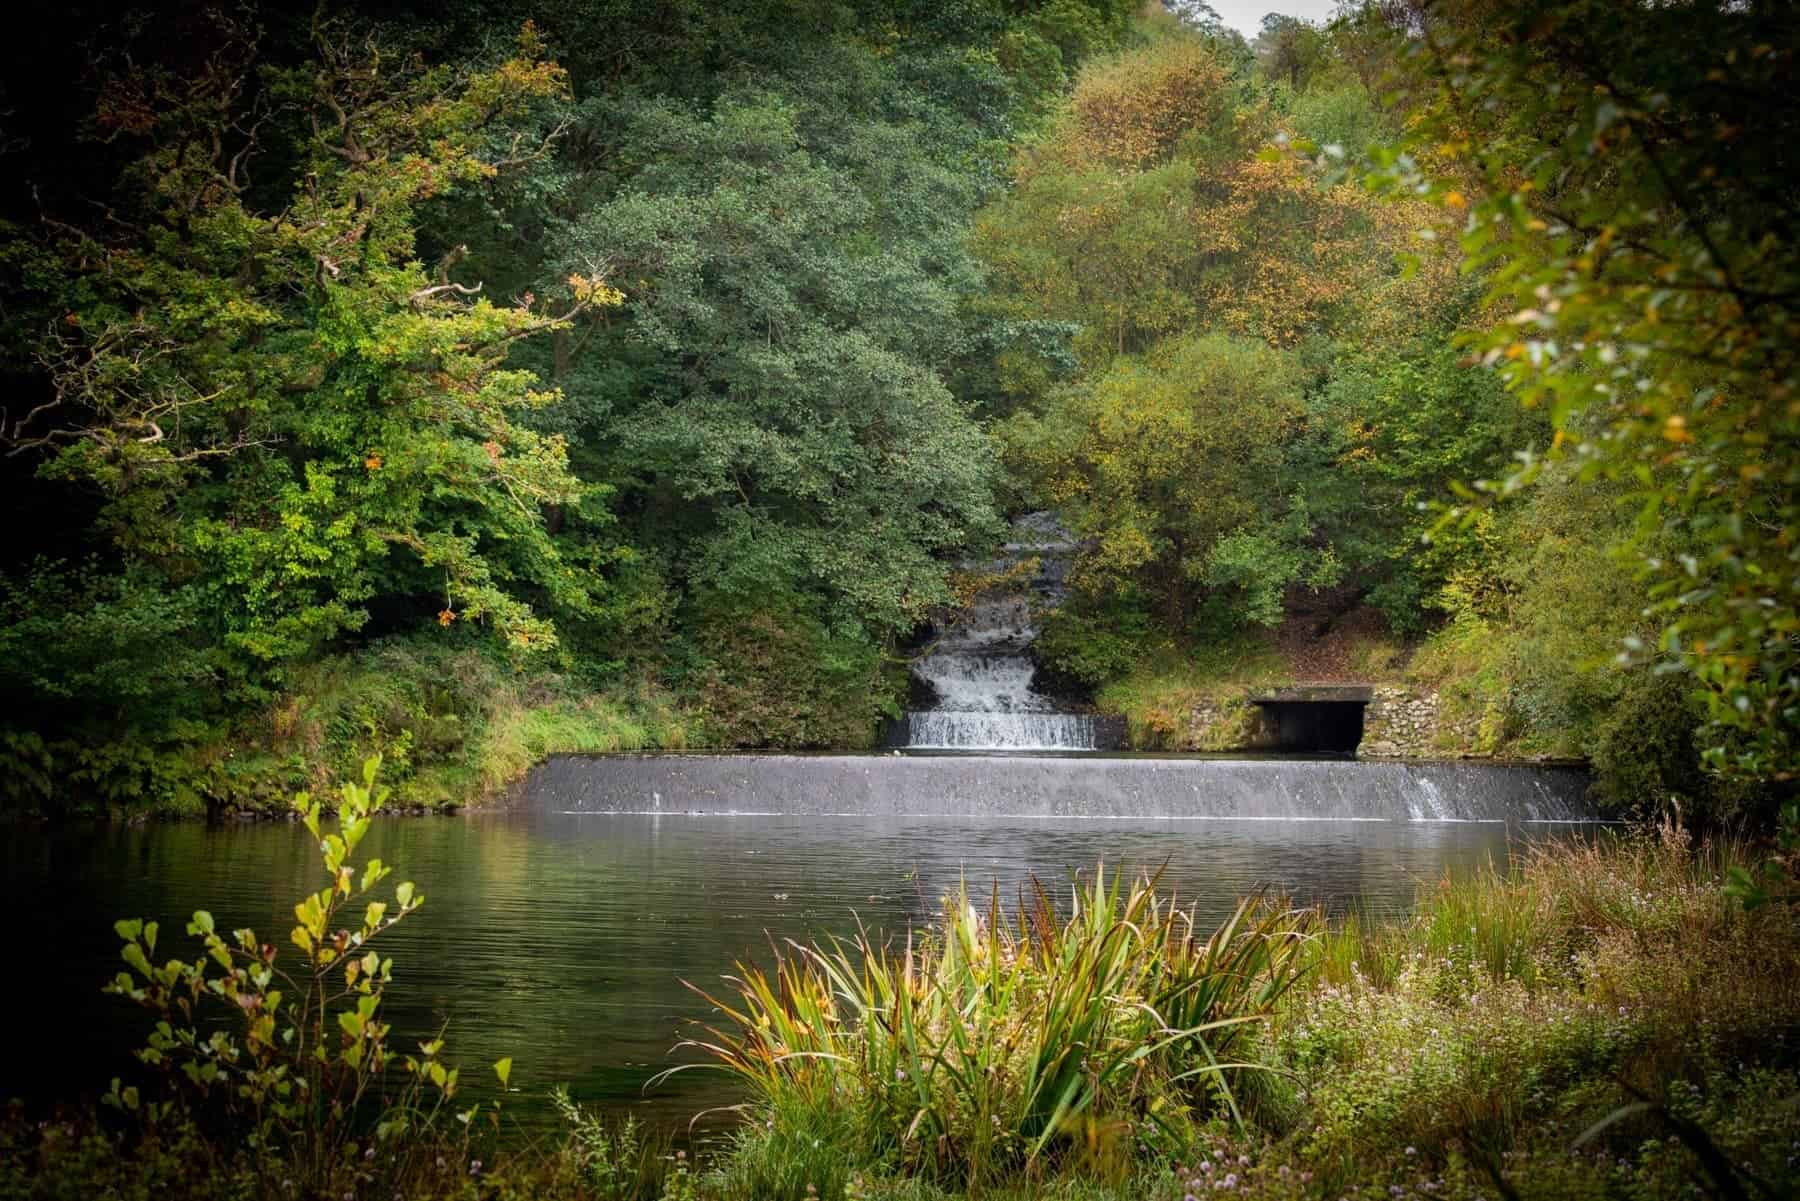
pixel 1183 788
pixel 980 670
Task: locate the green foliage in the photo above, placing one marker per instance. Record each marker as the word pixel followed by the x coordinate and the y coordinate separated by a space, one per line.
pixel 1205 452
pixel 614 1161
pixel 999 1045
pixel 1165 692
pixel 753 274
pixel 68 1160
pixel 296 1061
pixel 1644 758
pixel 454 724
pixel 1148 213
pixel 455 721
pixel 795 265
pixel 1472 1046
pixel 1387 437
pixel 85 641
pixel 1515 1009
pixel 1338 114
pixel 1254 568
pixel 1172 464
pixel 1537 606
pixel 1095 640
pixel 776 675
pixel 1630 165
pixel 290 417
pixel 1777 877
pixel 1291 50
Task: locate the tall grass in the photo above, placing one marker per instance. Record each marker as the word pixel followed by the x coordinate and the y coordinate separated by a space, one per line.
pixel 453 725
pixel 997 1045
pixel 1527 921
pixel 1587 985
pixel 519 734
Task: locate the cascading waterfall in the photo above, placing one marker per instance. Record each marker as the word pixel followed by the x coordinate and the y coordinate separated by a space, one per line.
pixel 981 669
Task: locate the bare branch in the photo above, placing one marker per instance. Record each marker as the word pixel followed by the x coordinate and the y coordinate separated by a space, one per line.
pixel 418 299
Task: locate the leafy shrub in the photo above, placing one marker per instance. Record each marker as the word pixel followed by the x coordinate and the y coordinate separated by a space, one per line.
pixel 1094 641
pixel 97 648
pixel 1646 762
pixel 777 675
pixel 292 1063
pixel 614 1161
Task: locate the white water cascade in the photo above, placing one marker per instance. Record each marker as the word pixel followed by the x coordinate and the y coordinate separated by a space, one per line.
pixel 981 669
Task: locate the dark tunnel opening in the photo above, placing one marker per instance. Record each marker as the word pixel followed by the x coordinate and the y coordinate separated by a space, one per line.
pixel 1318 727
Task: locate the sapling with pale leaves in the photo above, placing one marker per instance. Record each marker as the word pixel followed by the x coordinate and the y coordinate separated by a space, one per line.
pixel 301 1065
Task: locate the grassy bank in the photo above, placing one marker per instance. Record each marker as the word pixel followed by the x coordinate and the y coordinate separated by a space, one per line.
pixel 1469 689
pixel 455 726
pixel 1600 1021
pixel 1177 699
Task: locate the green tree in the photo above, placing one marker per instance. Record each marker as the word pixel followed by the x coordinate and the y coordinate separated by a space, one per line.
pixel 1636 212
pixel 1173 463
pixel 796 269
pixel 289 415
pixel 1290 49
pixel 1387 437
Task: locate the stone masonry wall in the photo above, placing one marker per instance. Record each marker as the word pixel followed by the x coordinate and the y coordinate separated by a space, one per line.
pixel 1217 725
pixel 1400 722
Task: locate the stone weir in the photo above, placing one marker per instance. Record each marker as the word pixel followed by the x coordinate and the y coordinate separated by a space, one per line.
pixel 1039 786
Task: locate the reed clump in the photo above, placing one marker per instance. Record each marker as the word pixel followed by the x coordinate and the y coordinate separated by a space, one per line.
pixel 1003 1045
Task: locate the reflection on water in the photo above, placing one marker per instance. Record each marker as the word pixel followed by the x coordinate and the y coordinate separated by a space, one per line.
pixel 561 939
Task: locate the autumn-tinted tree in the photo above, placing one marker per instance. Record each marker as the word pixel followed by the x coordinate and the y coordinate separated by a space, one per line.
pixel 1635 208
pixel 1153 220
pixel 1173 463
pixel 290 418
pixel 1152 211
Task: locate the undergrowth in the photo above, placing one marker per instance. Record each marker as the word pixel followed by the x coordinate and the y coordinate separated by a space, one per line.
pixel 453 725
pixel 1161 694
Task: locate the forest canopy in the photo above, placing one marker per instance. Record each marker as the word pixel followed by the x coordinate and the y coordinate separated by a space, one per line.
pixel 455 381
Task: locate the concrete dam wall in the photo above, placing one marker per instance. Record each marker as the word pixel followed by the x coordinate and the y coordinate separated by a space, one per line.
pixel 1080 786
